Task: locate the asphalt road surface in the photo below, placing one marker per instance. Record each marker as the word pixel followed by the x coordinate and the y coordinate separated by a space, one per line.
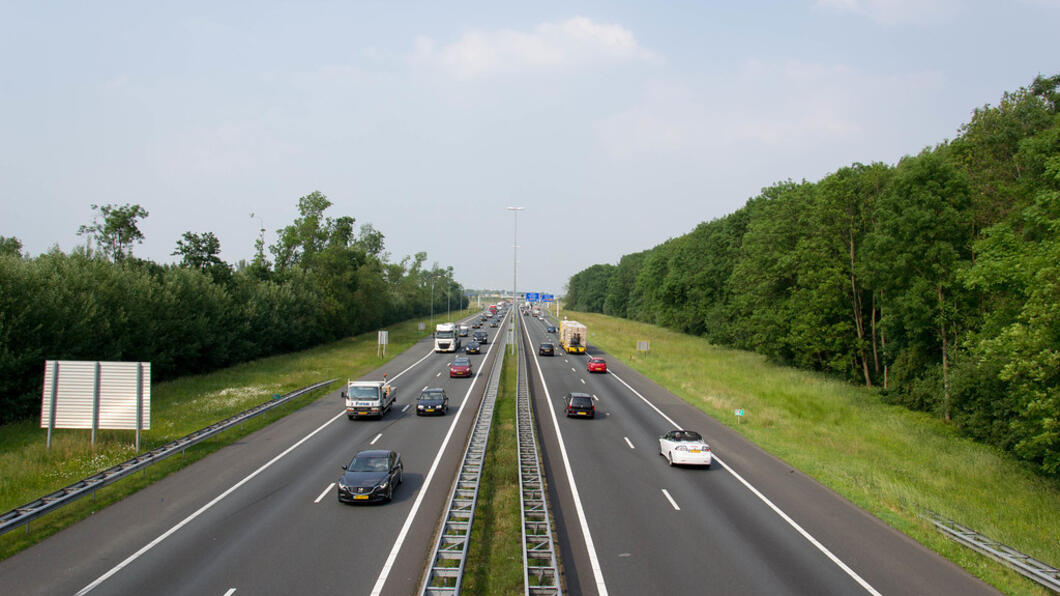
pixel 627 523
pixel 262 517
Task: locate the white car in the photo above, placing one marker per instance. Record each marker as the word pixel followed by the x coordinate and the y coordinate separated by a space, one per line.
pixel 684 447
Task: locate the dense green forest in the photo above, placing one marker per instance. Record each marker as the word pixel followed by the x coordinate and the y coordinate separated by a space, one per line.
pixel 936 281
pixel 327 281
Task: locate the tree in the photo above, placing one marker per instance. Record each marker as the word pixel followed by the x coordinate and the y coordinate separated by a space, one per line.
pixel 115 235
pixel 10 246
pixel 200 251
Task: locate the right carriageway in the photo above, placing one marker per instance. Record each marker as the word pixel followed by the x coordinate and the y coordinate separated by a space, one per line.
pixel 627 523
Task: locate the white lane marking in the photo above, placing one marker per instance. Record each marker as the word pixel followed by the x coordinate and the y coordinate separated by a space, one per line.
pixel 567 361
pixel 438 375
pixel 594 562
pixel 406 407
pixel 850 572
pixel 325 493
pixel 628 442
pixel 596 398
pixel 230 592
pixel 666 494
pixel 572 369
pixel 392 557
pixel 131 558
pixel 375 439
pixel 424 388
pixel 582 380
pixel 201 510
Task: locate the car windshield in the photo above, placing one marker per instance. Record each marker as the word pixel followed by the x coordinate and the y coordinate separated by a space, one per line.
pixel 430 395
pixel 363 393
pixel 367 464
pixel 444 334
pixel 687 435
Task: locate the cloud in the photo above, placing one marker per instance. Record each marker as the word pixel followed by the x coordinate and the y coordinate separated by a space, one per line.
pixel 894 12
pixel 788 105
pixel 576 43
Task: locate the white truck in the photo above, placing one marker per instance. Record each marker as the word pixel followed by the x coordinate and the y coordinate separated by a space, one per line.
pixel 446 338
pixel 368 398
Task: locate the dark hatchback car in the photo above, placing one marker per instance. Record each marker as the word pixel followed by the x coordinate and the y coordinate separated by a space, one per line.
pixel 371 477
pixel 550 329
pixel 546 349
pixel 580 405
pixel 481 337
pixel 472 347
pixel 494 322
pixel 432 401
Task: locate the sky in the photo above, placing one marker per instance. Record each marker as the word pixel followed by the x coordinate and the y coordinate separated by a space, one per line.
pixel 616 125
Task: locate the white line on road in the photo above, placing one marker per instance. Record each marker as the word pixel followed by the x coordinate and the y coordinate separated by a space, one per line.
pixel 628 442
pixel 375 439
pixel 424 388
pixel 850 572
pixel 230 592
pixel 438 375
pixel 666 493
pixel 187 520
pixel 594 561
pixel 406 407
pixel 325 493
pixel 596 398
pixel 582 380
pixel 572 369
pixel 392 557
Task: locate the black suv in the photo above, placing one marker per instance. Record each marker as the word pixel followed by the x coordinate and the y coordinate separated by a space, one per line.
pixel 481 337
pixel 580 404
pixel 546 350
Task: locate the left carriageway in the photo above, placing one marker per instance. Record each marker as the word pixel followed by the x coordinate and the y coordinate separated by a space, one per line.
pixel 261 516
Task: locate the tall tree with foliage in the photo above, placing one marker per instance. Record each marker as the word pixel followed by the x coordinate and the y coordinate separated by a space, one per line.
pixel 115 229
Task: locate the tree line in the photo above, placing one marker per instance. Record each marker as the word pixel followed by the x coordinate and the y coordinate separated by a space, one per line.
pixel 935 281
pixel 326 280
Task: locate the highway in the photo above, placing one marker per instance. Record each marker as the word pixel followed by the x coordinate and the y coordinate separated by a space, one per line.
pixel 630 524
pixel 261 516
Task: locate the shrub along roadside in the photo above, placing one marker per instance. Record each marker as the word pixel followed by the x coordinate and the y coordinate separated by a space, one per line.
pixel 886 459
pixel 179 407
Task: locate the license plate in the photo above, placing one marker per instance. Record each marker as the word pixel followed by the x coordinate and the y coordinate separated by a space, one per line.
pixel 360 497
pixel 430 409
pixel 581 413
pixel 693 450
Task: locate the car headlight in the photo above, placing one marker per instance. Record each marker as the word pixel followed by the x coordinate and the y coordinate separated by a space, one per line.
pixel 419 407
pixel 382 485
pixel 343 487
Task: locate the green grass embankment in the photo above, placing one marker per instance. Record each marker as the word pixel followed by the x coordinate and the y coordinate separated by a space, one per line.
pixel 28 470
pixel 891 461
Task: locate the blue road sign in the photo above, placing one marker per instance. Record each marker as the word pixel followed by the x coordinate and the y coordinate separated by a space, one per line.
pixel 547 297
pixel 532 297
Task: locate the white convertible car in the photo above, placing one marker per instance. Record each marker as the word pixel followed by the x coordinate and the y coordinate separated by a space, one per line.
pixel 684 447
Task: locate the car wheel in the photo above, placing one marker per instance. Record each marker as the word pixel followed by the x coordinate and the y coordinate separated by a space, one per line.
pixel 351 417
pixel 390 493
pixel 670 458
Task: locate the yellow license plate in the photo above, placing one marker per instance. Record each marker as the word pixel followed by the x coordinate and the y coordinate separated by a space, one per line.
pixel 581 413
pixel 360 497
pixel 693 450
pixel 430 409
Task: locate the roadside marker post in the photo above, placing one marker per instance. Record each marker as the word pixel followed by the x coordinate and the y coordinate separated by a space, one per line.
pixel 739 415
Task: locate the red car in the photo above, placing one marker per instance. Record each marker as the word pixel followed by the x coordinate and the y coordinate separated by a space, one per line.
pixel 461 367
pixel 596 365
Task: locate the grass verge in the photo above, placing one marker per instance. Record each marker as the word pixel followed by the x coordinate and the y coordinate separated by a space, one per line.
pixel 495 555
pixel 891 461
pixel 178 407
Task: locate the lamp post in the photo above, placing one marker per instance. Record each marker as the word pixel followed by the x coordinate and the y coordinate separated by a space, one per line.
pixel 515 254
pixel 432 302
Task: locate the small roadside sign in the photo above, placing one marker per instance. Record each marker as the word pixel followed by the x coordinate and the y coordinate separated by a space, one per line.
pixel 739 415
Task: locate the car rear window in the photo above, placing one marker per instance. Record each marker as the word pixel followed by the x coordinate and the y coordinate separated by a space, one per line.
pixel 581 402
pixel 687 435
pixel 461 362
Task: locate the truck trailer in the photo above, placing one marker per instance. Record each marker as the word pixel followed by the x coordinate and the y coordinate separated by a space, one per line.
pixel 573 337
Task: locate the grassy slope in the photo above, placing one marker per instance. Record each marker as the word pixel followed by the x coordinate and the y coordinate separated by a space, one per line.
pixel 29 470
pixel 890 461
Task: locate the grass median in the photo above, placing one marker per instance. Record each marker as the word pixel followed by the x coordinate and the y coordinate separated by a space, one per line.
pixel 29 470
pixel 495 554
pixel 891 461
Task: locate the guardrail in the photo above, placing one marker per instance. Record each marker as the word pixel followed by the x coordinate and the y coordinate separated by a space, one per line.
pixel 1026 565
pixel 446 571
pixel 540 565
pixel 20 516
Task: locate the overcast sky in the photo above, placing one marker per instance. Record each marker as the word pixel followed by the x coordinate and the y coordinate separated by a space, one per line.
pixel 617 125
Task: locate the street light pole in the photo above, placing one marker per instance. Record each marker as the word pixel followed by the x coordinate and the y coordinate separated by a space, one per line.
pixel 515 255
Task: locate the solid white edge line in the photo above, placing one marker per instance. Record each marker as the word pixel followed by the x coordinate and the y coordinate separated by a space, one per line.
pixel 666 494
pixel 325 493
pixel 784 516
pixel 594 562
pixel 384 573
pixel 372 442
pixel 217 499
pixel 628 442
